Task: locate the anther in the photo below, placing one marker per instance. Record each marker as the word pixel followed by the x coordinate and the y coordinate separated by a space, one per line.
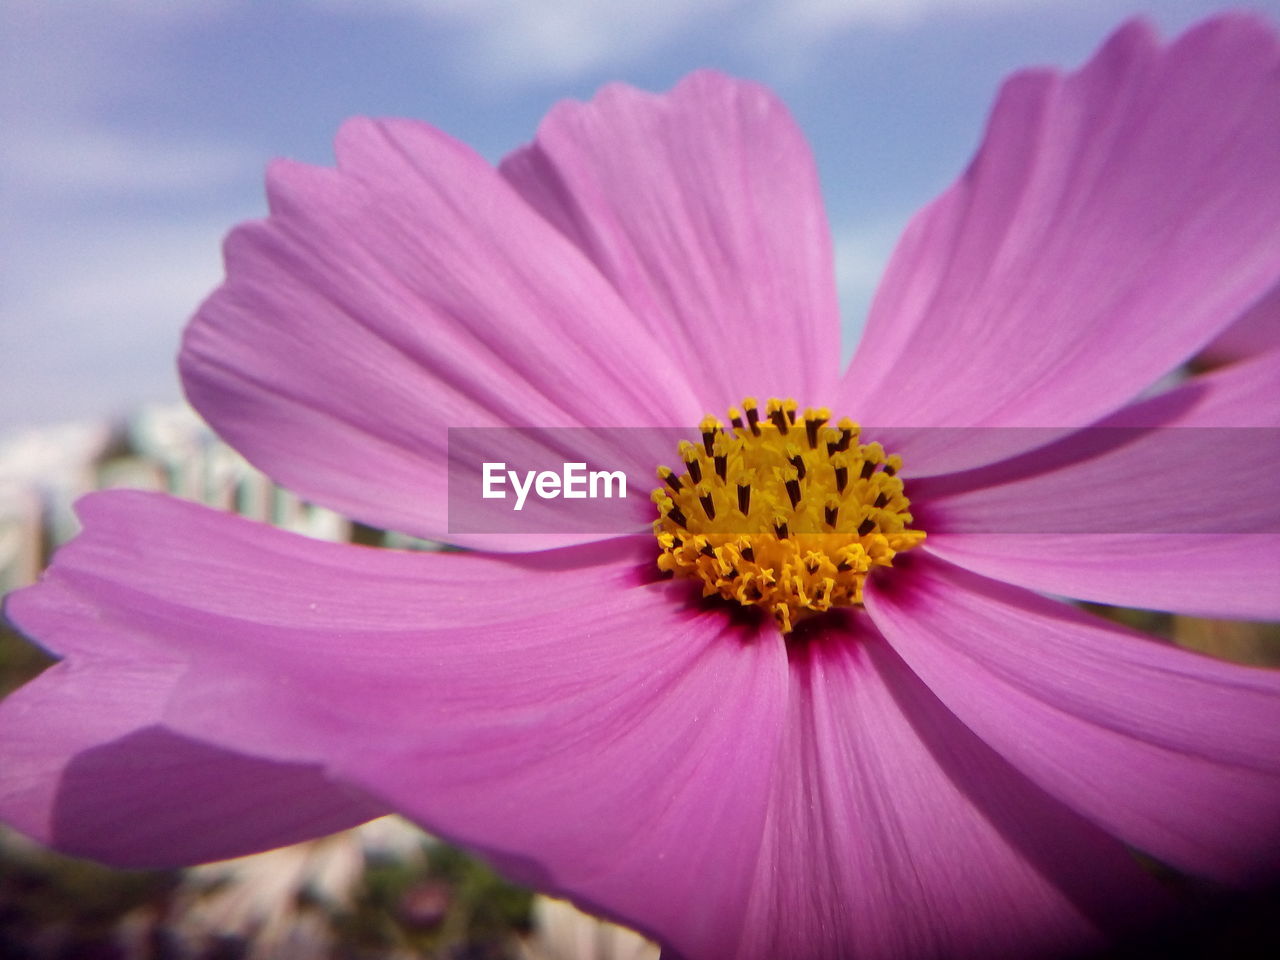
pixel 753 415
pixel 710 426
pixel 689 454
pixel 779 417
pixel 676 516
pixel 848 429
pixel 813 420
pixel 744 498
pixel 796 460
pixel 866 526
pixel 793 492
pixel 831 513
pixel 708 505
pixel 668 476
pixel 832 438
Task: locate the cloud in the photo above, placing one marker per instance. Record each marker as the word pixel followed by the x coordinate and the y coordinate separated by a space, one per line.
pixel 782 35
pixel 68 68
pixel 523 41
pixel 119 229
pixel 84 159
pixel 140 270
pixel 93 310
pixel 861 254
pixel 529 41
pixel 73 56
pixel 819 17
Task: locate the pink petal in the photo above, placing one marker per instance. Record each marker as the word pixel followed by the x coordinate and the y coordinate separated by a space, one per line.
pixel 579 725
pixel 161 555
pixel 1257 331
pixel 893 831
pixel 1115 220
pixel 91 767
pixel 1198 459
pixel 1230 576
pixel 702 207
pixel 408 291
pixel 624 766
pixel 1174 753
pixel 1175 518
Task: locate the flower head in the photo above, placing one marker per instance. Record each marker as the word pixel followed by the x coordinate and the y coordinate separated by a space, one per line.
pixel 917 755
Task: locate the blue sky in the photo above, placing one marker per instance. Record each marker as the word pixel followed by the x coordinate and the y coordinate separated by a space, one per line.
pixel 136 131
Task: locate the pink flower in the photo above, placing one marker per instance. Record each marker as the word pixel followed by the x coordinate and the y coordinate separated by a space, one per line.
pixel 958 768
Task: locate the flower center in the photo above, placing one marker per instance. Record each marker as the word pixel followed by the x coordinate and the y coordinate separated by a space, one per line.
pixel 790 516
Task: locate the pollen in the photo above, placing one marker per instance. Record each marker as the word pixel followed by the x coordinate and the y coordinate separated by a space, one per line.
pixel 786 513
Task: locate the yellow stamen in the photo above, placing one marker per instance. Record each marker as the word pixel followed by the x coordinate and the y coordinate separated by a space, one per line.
pixel 782 512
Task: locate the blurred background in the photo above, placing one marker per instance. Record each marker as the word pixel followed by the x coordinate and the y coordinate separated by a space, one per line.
pixel 135 133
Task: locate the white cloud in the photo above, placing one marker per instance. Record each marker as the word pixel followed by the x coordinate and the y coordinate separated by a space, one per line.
pixel 818 17
pixel 111 235
pixel 70 56
pixel 565 38
pixel 81 158
pixel 143 270
pixel 861 253
pixel 93 312
pixel 507 41
pixel 510 41
pixel 783 34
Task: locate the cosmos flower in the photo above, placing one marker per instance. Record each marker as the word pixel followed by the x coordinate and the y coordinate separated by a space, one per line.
pixel 877 738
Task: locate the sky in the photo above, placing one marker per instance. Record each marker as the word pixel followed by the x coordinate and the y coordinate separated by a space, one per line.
pixel 136 131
